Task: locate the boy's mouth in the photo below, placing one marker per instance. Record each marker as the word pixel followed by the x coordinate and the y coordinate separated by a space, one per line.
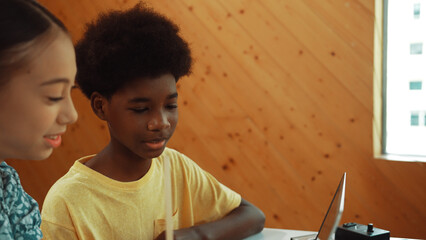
pixel 156 144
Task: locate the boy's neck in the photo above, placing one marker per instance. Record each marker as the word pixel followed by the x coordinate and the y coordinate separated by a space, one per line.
pixel 118 166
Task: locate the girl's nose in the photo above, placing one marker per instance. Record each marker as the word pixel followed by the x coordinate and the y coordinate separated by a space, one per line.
pixel 68 114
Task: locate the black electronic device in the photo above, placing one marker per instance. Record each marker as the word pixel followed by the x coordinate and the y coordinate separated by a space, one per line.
pixel 356 231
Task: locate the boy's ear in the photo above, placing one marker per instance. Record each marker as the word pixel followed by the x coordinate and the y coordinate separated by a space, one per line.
pixel 99 105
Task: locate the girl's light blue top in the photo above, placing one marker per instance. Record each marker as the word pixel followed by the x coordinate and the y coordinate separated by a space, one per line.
pixel 19 212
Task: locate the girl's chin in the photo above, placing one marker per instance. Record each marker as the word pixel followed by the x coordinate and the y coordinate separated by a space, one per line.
pixel 37 155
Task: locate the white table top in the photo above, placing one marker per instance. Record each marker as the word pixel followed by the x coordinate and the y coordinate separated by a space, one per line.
pixel 282 234
pixel 278 234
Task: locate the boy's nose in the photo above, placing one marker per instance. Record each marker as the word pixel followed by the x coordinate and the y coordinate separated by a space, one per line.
pixel 158 123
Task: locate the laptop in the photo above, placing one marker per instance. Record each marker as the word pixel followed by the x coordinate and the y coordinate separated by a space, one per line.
pixel 332 217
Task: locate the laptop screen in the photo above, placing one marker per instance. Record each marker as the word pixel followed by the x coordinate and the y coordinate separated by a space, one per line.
pixel 334 213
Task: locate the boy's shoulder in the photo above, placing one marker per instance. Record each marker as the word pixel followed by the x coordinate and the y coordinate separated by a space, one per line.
pixel 170 151
pixel 177 157
pixel 73 179
pixel 182 164
pixel 175 154
pixel 80 181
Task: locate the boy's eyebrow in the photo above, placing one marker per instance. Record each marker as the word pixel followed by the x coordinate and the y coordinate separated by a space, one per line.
pixel 144 99
pixel 173 95
pixel 54 81
pixel 138 99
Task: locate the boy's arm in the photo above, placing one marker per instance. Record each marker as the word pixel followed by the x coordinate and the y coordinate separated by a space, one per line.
pixel 240 223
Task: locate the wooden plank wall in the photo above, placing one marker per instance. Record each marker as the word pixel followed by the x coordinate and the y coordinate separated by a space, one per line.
pixel 278 107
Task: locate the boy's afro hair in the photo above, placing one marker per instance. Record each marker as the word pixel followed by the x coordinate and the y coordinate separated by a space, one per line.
pixel 121 46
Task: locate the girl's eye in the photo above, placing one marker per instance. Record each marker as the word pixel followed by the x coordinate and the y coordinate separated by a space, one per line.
pixel 55 99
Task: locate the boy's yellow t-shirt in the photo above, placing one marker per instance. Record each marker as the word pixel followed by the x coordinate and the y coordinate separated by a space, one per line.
pixel 85 204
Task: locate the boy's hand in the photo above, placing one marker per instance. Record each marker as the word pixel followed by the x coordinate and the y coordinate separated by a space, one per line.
pixel 240 223
pixel 182 234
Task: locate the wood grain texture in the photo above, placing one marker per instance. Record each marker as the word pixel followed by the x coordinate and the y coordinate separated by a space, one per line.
pixel 279 105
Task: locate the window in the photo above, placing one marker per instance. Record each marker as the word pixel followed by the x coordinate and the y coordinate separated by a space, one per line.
pixel 400 63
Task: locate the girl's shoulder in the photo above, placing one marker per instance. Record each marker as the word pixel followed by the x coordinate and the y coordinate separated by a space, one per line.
pixel 12 193
pixel 20 215
pixel 6 170
pixel 10 183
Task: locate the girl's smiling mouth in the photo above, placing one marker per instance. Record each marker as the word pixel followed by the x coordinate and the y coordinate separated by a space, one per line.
pixel 53 140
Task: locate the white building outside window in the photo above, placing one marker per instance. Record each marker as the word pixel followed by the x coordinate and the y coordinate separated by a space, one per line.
pixel 404 122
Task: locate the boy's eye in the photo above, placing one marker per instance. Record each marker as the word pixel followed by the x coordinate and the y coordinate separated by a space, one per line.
pixel 138 110
pixel 172 106
pixel 55 99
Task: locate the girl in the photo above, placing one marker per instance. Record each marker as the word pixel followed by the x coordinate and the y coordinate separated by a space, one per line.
pixel 37 71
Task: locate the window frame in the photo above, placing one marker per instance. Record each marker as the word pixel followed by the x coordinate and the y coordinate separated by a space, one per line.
pixel 379 87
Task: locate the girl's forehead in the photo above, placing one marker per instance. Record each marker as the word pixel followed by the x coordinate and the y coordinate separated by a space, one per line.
pixel 53 62
pixel 50 54
pixel 23 54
